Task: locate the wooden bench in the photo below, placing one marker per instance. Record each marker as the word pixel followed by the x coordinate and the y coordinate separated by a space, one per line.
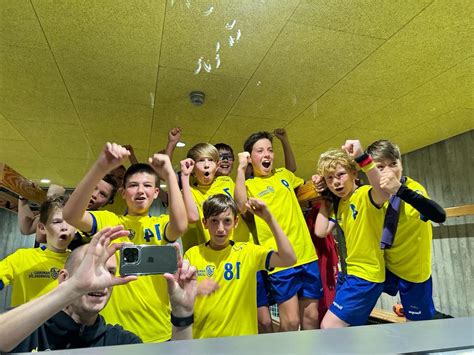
pixel 382 316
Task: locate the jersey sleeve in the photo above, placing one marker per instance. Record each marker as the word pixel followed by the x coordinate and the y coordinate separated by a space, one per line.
pixel 102 219
pixel 294 180
pixel 261 256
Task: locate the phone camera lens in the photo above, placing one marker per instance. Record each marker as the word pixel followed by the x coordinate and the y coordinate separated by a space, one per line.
pixel 130 255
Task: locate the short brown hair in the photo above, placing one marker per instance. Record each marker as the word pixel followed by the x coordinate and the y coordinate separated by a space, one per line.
pixel 50 205
pixel 216 204
pixel 329 160
pixel 383 149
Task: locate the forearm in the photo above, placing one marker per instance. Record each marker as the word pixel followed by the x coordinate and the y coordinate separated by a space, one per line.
pixel 23 320
pixel 26 219
pixel 429 209
pixel 290 160
pixel 191 208
pixel 177 211
pixel 285 252
pixel 322 226
pixel 379 196
pixel 75 210
pixel 182 333
pixel 240 191
pixel 169 150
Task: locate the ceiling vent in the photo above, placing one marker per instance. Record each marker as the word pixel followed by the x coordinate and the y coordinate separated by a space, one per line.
pixel 197 97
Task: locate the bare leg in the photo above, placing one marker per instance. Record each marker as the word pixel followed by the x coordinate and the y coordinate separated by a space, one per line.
pixel 289 315
pixel 264 320
pixel 309 315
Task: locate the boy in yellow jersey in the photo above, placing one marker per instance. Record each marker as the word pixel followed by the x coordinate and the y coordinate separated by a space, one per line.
pixel 359 213
pixel 34 271
pixel 143 306
pixel 202 162
pixel 407 250
pixel 232 309
pixel 296 290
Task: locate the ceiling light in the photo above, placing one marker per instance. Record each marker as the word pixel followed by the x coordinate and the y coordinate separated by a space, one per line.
pixel 180 144
pixel 45 181
pixel 162 186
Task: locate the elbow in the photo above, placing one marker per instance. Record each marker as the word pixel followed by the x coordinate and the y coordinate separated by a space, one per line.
pixel 290 260
pixel 193 218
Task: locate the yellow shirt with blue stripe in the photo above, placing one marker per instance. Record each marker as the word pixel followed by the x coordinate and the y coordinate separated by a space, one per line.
pixel 362 222
pixel 277 190
pixel 141 306
pixel 232 309
pixel 410 254
pixel 196 233
pixel 32 272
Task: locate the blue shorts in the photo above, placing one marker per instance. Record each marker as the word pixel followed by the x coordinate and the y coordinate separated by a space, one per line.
pixel 355 299
pixel 416 298
pixel 303 280
pixel 263 289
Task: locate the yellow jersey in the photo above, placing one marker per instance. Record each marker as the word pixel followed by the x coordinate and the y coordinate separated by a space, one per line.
pixel 410 255
pixel 232 309
pixel 141 306
pixel 277 190
pixel 32 272
pixel 362 222
pixel 196 233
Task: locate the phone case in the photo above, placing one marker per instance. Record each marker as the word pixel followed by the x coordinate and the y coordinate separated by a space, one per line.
pixel 150 259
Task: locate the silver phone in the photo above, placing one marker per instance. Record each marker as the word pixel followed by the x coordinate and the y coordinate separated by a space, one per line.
pixel 148 259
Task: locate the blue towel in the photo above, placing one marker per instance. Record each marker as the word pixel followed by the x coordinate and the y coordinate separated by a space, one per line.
pixel 390 222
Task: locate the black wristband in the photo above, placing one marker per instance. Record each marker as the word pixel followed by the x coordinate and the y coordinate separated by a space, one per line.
pixel 182 321
pixel 361 158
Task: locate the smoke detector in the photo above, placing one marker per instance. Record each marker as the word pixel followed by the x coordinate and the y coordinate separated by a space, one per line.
pixel 197 97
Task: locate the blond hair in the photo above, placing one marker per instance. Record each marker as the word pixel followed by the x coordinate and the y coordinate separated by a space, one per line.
pixel 203 150
pixel 329 160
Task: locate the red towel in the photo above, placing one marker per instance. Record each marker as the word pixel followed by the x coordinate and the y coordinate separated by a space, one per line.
pixel 327 260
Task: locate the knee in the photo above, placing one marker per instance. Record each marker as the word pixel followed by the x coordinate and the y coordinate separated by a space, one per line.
pixel 292 322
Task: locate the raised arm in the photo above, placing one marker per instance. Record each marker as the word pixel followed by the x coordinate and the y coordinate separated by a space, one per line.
pixel 75 210
pixel 91 275
pixel 354 149
pixel 174 135
pixel 240 191
pixel 187 166
pixel 177 211
pixel 284 255
pixel 428 209
pixel 132 157
pixel 290 161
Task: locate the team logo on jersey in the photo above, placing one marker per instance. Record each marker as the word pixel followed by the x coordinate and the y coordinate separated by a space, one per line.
pixel 285 183
pixel 54 272
pixel 131 236
pixel 210 270
pixel 354 211
pixel 267 191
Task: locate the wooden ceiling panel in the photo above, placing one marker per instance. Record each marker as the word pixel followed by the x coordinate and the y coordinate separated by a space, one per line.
pixel 105 50
pixel 203 29
pixel 55 140
pixel 442 127
pixel 173 106
pixel 8 132
pixel 443 94
pixel 430 44
pixel 373 18
pixel 303 63
pixel 32 88
pixel 19 25
pixel 116 122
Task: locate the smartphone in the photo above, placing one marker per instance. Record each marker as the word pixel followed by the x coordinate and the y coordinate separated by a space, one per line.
pixel 148 259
